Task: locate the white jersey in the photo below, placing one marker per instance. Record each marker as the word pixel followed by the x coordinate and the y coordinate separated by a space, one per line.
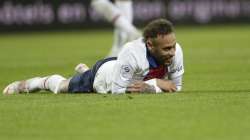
pixel 134 63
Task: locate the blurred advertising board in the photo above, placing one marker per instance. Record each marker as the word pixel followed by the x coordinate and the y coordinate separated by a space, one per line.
pixel 208 11
pixel 78 14
pixel 66 14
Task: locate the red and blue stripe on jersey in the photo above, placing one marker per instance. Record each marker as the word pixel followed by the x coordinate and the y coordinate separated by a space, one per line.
pixel 155 70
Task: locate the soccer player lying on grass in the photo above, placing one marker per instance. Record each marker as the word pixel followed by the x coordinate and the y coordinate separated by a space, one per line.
pixel 151 64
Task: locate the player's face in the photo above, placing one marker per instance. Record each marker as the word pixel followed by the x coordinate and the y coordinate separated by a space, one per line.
pixel 163 48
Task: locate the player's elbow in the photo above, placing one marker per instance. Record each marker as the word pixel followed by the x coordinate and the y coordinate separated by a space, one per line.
pixel 118 92
pixel 178 88
pixel 117 89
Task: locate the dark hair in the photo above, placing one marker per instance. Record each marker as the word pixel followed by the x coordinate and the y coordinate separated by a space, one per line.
pixel 157 27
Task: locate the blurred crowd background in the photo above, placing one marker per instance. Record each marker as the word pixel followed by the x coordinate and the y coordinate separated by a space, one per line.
pixel 19 15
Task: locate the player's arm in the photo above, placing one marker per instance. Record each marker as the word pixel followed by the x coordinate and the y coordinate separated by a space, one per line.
pixel 173 85
pixel 162 85
pixel 124 70
pixel 153 86
pixel 176 70
pixel 140 87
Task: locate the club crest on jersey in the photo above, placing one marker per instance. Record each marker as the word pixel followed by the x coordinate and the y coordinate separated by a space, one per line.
pixel 126 71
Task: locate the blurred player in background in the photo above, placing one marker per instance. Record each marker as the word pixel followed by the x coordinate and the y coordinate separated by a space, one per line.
pixel 151 64
pixel 120 13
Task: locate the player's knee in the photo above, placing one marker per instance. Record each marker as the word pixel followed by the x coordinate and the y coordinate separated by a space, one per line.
pixel 105 8
pixel 63 86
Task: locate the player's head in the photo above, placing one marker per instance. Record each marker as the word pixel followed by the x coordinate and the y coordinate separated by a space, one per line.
pixel 160 39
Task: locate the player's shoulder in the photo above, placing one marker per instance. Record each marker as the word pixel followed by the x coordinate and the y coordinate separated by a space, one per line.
pixel 178 48
pixel 177 68
pixel 178 52
pixel 134 53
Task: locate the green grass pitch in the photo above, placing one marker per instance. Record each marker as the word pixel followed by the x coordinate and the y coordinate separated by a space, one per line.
pixel 214 103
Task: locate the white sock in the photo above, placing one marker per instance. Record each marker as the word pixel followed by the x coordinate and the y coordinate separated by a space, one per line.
pixel 45 83
pixel 122 23
pixel 34 84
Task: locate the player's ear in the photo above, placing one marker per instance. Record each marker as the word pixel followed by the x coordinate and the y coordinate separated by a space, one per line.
pixel 149 44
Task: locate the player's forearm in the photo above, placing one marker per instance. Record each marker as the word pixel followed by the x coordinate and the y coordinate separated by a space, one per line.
pixel 149 86
pixel 117 89
pixel 166 85
pixel 140 87
pixel 161 85
pixel 172 85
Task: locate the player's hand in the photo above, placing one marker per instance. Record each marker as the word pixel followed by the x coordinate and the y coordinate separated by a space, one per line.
pixel 140 87
pixel 166 85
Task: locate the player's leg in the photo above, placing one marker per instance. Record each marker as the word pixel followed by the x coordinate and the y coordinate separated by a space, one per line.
pixel 54 83
pixel 113 14
pixel 121 37
pixel 126 8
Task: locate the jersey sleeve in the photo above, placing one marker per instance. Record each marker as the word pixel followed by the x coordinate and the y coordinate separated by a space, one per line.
pixel 177 67
pixel 176 70
pixel 123 72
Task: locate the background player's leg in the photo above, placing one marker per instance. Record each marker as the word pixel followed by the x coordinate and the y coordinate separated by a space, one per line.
pixel 121 37
pixel 126 8
pixel 113 14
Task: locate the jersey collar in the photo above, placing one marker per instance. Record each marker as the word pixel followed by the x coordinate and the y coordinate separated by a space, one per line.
pixel 151 60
